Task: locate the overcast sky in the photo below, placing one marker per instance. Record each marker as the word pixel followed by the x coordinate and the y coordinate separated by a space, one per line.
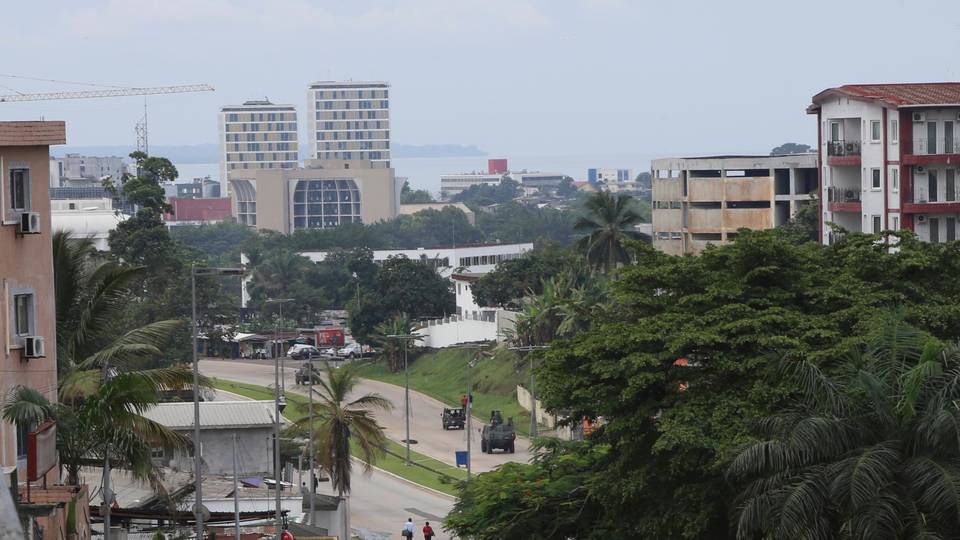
pixel 550 77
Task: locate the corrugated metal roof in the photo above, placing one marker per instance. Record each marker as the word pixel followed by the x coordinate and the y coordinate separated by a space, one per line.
pixel 213 414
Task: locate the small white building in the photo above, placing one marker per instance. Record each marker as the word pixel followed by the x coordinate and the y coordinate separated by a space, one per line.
pixel 472 322
pixel 889 155
pixel 454 184
pixel 86 218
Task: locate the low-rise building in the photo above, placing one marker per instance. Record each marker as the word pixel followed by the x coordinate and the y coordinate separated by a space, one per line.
pixel 250 421
pixel 319 195
pixel 705 200
pixel 192 211
pixel 607 175
pixel 452 185
pixel 409 209
pixel 86 218
pixel 199 188
pixel 471 258
pixel 889 155
pixel 74 170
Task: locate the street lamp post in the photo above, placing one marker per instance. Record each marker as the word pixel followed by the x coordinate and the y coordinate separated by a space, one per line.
pixel 198 485
pixel 276 414
pixel 469 407
pixel 406 390
pixel 526 350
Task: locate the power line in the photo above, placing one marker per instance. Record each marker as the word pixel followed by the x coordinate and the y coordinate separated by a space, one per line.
pixel 59 81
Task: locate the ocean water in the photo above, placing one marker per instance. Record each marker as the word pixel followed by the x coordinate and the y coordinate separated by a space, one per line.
pixel 424 173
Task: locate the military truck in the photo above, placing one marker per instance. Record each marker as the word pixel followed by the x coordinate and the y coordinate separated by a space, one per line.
pixel 453 418
pixel 498 435
pixel 302 376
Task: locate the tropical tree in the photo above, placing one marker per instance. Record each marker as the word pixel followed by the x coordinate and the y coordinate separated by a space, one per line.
pixel 872 452
pixel 340 421
pixel 100 397
pixel 392 348
pixel 607 224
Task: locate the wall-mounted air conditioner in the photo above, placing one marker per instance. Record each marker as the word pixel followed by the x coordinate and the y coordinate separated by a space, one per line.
pixel 921 170
pixel 33 347
pixel 29 223
pixel 921 218
pixel 919 117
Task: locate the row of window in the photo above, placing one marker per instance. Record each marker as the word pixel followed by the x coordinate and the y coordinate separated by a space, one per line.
pixel 352 94
pixel 249 137
pixel 350 135
pixel 253 165
pixel 261 117
pixel 352 115
pixel 363 104
pixel 279 126
pixel 875 131
pixel 256 147
pixel 260 156
pixel 669 235
pixel 488 259
pixel 370 155
pixel 358 145
pixel 664 205
pixel 357 125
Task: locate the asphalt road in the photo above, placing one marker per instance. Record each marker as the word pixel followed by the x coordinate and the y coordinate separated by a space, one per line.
pixel 425 428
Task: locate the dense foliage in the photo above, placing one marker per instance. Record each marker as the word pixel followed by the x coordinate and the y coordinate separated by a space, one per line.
pixel 513 279
pixel 672 427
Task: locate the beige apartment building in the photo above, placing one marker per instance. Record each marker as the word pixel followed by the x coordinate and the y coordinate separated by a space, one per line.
pixel 699 201
pixel 349 120
pixel 256 135
pixel 319 195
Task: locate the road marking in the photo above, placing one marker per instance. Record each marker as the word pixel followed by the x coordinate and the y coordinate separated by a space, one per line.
pixel 423 514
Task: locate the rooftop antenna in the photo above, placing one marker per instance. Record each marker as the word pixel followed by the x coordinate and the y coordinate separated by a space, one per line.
pixel 141 130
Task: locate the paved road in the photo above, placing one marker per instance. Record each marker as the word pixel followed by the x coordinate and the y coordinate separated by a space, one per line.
pixel 432 439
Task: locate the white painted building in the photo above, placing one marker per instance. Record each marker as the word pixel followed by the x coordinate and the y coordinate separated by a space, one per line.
pixel 86 218
pixel 74 170
pixel 888 156
pixel 471 258
pixel 454 184
pixel 472 322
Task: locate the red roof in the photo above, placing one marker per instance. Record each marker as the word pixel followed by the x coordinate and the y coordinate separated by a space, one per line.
pixel 199 209
pixel 895 95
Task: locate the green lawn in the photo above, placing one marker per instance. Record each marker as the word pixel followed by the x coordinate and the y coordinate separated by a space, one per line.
pixel 442 374
pixel 297 409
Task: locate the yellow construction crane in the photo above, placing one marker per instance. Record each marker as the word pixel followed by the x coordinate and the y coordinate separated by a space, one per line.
pixel 117 92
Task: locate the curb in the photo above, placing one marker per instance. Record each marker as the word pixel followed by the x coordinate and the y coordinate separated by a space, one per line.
pixel 411 482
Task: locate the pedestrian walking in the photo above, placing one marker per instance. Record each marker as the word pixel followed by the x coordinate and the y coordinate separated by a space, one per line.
pixel 408 529
pixel 428 532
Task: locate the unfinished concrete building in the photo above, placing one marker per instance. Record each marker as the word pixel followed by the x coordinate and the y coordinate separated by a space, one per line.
pixel 705 200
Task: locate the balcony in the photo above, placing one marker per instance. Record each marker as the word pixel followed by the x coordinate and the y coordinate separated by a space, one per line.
pixel 843 153
pixel 932 151
pixel 842 199
pixel 922 203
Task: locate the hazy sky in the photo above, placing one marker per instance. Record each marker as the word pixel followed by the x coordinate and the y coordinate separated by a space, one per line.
pixel 527 77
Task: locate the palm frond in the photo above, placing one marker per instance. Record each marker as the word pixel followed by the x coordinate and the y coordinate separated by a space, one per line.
pixel 26 406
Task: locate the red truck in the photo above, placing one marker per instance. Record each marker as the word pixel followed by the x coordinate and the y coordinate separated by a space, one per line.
pixel 330 336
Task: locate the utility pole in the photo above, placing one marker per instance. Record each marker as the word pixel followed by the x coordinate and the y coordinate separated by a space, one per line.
pixel 406 387
pixel 469 407
pixel 313 481
pixel 236 493
pixel 276 409
pixel 526 350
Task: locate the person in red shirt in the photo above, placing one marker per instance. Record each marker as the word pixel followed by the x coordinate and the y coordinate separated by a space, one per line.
pixel 428 531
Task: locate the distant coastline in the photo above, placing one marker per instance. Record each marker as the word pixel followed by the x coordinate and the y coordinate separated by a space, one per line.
pixel 210 153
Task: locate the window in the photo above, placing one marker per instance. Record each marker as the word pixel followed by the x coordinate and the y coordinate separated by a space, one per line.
pixel 951 229
pixel 951 175
pixel 894 180
pixel 874 130
pixel 875 174
pixel 156 452
pixel 934 230
pixel 894 134
pixel 22 430
pixel 20 189
pixel 932 187
pixel 834 131
pixel 23 314
pixel 896 223
pixel 876 225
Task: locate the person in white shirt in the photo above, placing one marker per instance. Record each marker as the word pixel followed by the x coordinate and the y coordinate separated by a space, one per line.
pixel 408 528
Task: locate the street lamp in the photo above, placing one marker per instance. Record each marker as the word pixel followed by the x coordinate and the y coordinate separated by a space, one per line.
pixel 526 350
pixel 276 410
pixel 194 272
pixel 406 391
pixel 469 407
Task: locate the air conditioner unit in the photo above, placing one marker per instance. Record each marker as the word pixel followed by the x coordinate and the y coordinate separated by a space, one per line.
pixel 921 170
pixel 33 347
pixel 919 117
pixel 29 223
pixel 921 218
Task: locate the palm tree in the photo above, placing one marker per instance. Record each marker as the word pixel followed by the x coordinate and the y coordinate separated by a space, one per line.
pixel 100 399
pixel 871 453
pixel 340 422
pixel 400 324
pixel 609 221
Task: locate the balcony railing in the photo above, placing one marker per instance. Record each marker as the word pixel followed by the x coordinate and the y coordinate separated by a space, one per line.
pixel 843 148
pixel 942 145
pixel 843 195
pixel 921 195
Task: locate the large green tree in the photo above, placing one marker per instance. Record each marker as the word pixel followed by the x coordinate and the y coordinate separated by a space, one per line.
pixel 608 222
pixel 872 452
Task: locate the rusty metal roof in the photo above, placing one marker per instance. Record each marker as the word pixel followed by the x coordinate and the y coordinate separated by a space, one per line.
pixel 895 95
pixel 213 414
pixel 33 133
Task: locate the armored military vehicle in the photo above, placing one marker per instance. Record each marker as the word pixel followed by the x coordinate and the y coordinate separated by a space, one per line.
pixel 497 434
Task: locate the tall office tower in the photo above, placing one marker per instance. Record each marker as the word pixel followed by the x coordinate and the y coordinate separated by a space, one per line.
pixel 349 121
pixel 256 135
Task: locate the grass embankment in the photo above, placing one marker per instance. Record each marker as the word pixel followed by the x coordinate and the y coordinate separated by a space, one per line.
pixel 442 374
pixel 390 461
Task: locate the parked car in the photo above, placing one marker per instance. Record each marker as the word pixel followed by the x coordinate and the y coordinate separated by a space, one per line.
pixel 301 351
pixel 354 350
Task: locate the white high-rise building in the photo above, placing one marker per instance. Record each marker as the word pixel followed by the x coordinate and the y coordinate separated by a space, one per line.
pixel 349 120
pixel 889 157
pixel 256 135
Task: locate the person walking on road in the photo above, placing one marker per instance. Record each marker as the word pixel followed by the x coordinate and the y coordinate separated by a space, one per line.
pixel 428 532
pixel 408 528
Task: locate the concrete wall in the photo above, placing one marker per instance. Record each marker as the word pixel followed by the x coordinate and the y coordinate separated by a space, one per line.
pixel 543 417
pixel 455 330
pixel 254 447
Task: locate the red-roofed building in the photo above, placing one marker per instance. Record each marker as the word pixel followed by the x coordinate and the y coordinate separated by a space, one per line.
pixel 889 155
pixel 198 210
